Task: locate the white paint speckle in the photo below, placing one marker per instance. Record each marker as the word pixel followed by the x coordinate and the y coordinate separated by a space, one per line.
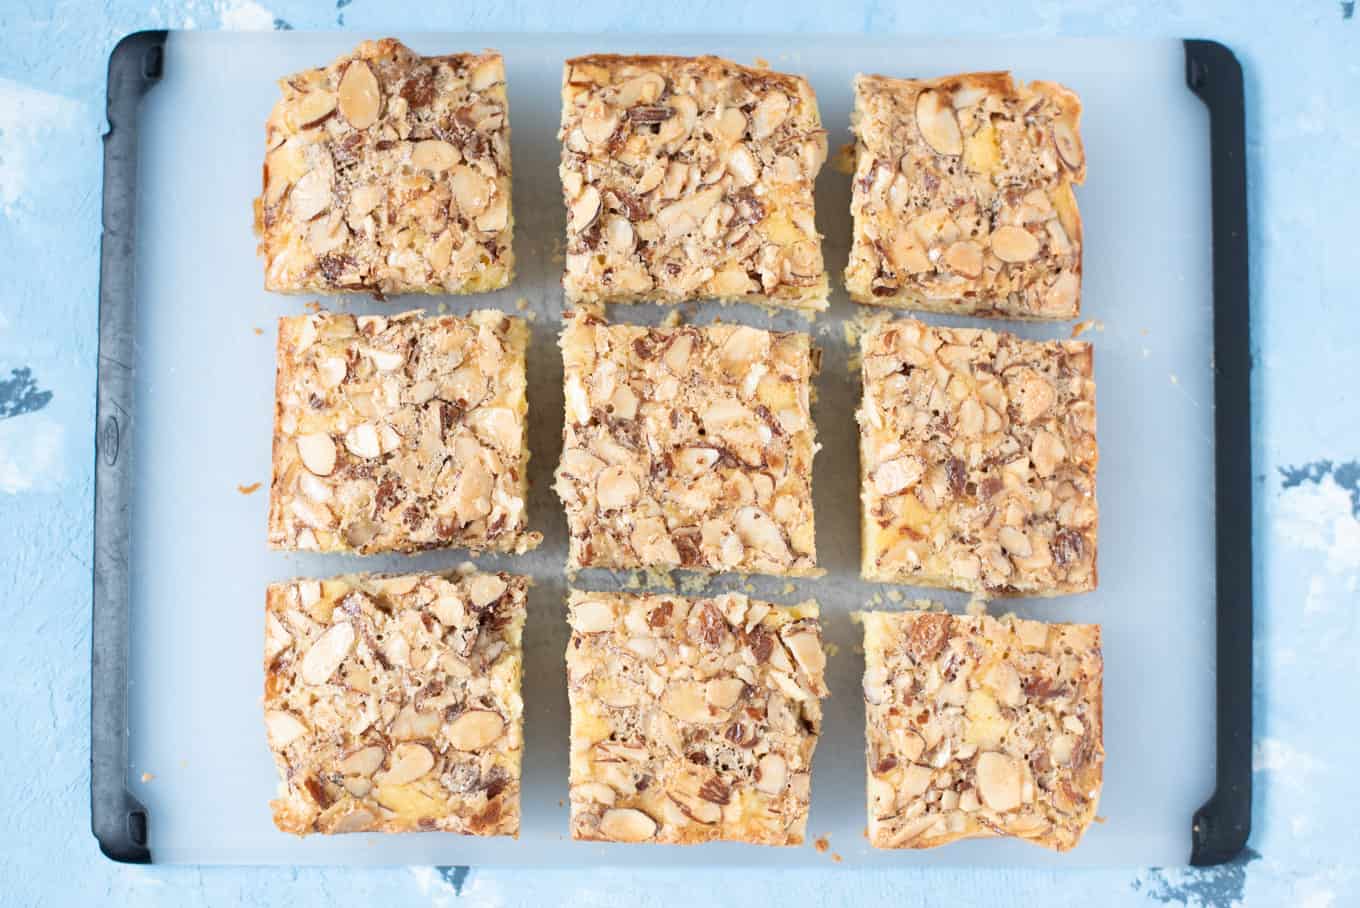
pixel 1274 755
pixel 244 15
pixel 1317 516
pixel 28 117
pixel 30 453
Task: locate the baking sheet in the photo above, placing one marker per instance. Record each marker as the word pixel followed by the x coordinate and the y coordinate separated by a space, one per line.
pixel 204 381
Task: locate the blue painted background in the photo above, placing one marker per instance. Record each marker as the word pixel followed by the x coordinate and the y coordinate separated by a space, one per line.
pixel 1302 63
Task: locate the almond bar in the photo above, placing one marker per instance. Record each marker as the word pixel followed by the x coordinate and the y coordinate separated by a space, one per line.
pixel 392 702
pixel 978 726
pixel 962 196
pixel 388 172
pixel 692 720
pixel 690 178
pixel 977 461
pixel 400 434
pixel 687 447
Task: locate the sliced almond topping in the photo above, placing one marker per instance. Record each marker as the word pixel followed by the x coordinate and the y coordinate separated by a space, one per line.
pixel 592 617
pixel 686 701
pixel 598 122
pixel 475 729
pixel 1069 146
pixel 585 208
pixel 363 762
pixel 938 124
pixel 998 781
pixel 471 190
pixel 315 108
pixel 773 774
pixel 362 441
pixel 627 825
pixel 317 452
pixel 311 195
pixel 616 488
pixel 1014 244
pixel 434 154
pixel 283 728
pixel 484 589
pixel 409 762
pixel 325 655
pixel 723 692
pixel 806 647
pixel 360 98
pixel 489 72
pixel 769 113
pixel 964 257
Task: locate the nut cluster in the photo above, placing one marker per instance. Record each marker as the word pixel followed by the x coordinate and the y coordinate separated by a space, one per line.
pixel 981 727
pixel 692 719
pixel 388 172
pixel 962 196
pixel 392 702
pixel 690 178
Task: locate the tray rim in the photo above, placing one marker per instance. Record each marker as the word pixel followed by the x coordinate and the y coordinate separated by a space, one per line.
pixel 1219 828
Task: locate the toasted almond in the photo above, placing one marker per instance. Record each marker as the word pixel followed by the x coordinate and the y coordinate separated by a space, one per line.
pixel 938 125
pixel 409 762
pixel 475 729
pixel 360 98
pixel 1014 244
pixel 434 154
pixel 484 589
pixel 773 774
pixel 627 825
pixel 325 655
pixel 317 452
pixel 283 728
pixel 363 762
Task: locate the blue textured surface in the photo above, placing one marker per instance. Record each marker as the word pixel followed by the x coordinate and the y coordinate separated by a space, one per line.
pixel 1302 66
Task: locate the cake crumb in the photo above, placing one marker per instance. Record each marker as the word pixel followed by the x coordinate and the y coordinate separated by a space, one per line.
pixel 894 595
pixel 672 319
pixel 762 63
pixel 1081 328
pixel 831 650
pixel 821 845
pixel 789 588
pixel 521 304
pixel 836 857
pixel 443 308
pixel 258 330
pixel 313 306
pixel 147 777
pixel 248 490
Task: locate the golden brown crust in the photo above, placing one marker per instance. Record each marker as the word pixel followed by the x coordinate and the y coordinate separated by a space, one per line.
pixel 389 172
pixel 962 196
pixel 392 702
pixel 980 727
pixel 690 178
pixel 978 461
pixel 692 720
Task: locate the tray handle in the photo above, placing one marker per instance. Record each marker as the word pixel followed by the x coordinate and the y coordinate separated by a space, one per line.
pixel 1221 826
pixel 117 819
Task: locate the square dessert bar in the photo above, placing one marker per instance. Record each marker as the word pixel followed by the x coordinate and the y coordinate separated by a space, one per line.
pixel 400 434
pixel 388 172
pixel 978 726
pixel 692 720
pixel 977 461
pixel 392 703
pixel 687 447
pixel 690 178
pixel 962 196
